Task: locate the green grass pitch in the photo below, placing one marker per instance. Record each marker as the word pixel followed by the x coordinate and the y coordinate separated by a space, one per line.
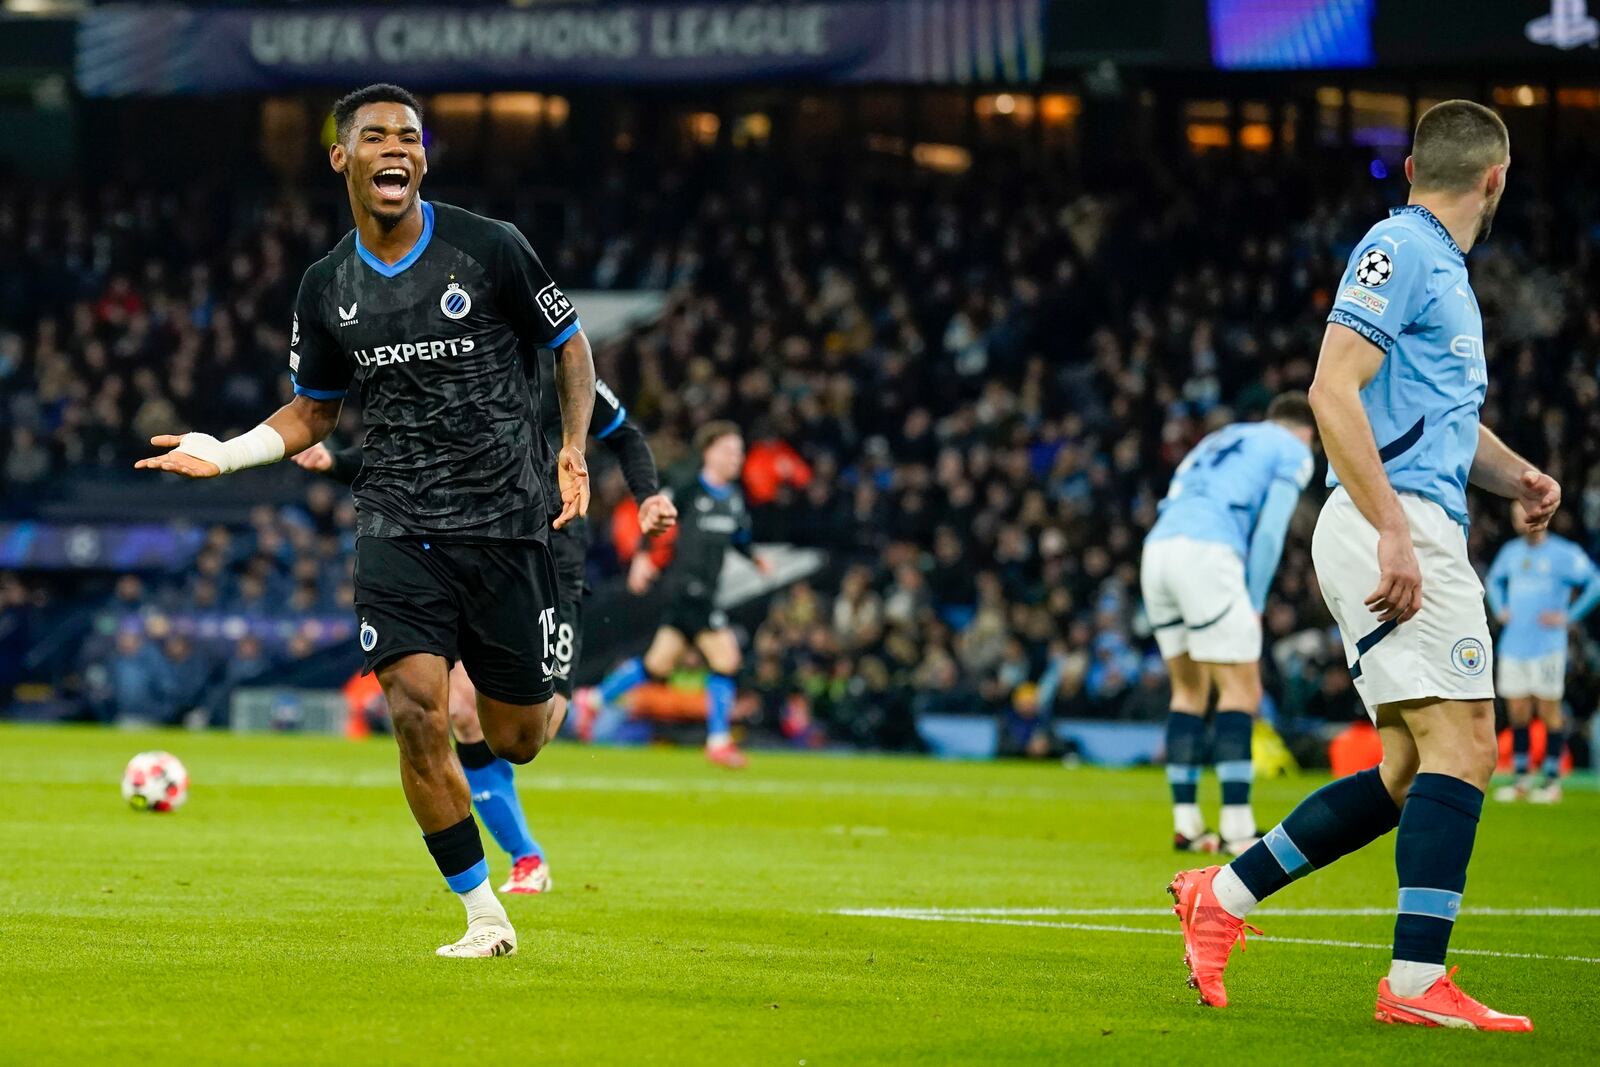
pixel 288 915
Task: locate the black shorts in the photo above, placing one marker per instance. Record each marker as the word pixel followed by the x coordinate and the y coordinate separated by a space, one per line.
pixel 694 615
pixel 490 605
pixel 570 547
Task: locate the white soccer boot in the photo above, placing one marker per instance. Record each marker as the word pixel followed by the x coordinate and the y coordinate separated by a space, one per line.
pixel 482 940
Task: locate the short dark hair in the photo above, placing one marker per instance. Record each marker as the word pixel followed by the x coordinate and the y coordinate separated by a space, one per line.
pixel 712 432
pixel 345 108
pixel 1456 141
pixel 1293 407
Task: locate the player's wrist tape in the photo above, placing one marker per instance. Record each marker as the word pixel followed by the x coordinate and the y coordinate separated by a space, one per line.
pixel 257 448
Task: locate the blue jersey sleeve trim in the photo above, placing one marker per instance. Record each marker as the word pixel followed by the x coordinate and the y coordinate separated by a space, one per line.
pixel 611 428
pixel 565 335
pixel 389 270
pixel 1363 327
pixel 316 394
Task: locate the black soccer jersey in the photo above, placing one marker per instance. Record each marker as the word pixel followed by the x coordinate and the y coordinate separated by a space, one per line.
pixel 434 344
pixel 710 521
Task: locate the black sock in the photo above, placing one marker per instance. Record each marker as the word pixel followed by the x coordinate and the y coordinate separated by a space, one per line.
pixel 475 754
pixel 458 850
pixel 1437 829
pixel 1230 754
pixel 1520 746
pixel 1555 747
pixel 1334 821
pixel 1185 737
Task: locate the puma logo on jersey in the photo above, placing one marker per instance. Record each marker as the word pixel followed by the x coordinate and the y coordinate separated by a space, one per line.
pixel 348 317
pixel 1392 242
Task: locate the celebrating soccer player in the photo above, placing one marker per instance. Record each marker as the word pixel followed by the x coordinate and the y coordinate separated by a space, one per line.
pixel 492 779
pixel 1208 563
pixel 1530 591
pixel 713 519
pixel 1398 387
pixel 429 309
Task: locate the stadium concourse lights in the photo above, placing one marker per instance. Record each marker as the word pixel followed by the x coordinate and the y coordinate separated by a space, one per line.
pixel 42 7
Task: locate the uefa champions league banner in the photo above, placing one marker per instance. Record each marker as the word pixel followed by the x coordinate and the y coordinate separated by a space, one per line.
pixel 137 49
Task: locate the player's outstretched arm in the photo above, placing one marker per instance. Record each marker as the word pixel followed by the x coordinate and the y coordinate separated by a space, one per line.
pixel 1346 363
pixel 1497 587
pixel 575 388
pixel 1266 543
pixel 293 428
pixel 1499 470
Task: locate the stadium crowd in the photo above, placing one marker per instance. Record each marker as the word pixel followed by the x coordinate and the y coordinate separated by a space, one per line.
pixel 970 390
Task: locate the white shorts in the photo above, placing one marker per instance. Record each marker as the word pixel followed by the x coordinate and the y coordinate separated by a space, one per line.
pixel 1444 651
pixel 1544 677
pixel 1195 597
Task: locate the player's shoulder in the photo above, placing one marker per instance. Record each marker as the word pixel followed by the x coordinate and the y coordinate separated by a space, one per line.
pixel 477 235
pixel 1565 546
pixel 1289 443
pixel 320 274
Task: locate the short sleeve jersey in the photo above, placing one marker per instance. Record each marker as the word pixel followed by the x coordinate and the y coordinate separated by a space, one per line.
pixel 1530 580
pixel 434 344
pixel 710 520
pixel 1218 490
pixel 1405 289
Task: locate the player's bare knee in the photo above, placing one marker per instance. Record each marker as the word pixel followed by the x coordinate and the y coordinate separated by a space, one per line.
pixel 1238 687
pixel 520 741
pixel 464 719
pixel 420 724
pixel 1397 771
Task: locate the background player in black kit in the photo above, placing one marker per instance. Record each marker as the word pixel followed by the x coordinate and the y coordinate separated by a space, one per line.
pixel 429 309
pixel 712 519
pixel 490 778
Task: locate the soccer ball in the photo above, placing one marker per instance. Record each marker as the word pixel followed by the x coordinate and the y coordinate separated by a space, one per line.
pixel 155 781
pixel 1374 268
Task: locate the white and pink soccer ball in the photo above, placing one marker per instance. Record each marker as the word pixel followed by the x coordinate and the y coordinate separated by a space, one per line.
pixel 155 781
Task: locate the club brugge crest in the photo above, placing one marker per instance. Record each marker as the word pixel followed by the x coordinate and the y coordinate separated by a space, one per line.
pixel 1469 656
pixel 455 302
pixel 369 636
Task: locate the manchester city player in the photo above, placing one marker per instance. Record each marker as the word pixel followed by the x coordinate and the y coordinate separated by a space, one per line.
pixel 1207 565
pixel 428 309
pixel 492 779
pixel 1398 386
pixel 1531 586
pixel 713 519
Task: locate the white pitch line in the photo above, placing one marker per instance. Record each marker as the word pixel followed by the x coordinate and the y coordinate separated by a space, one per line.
pixel 1107 928
pixel 1337 913
pixel 369 778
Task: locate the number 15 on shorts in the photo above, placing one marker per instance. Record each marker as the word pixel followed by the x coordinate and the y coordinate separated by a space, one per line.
pixel 547 630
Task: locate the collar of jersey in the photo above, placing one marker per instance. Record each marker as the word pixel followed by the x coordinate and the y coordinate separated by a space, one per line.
pixel 718 492
pixel 1432 220
pixel 389 270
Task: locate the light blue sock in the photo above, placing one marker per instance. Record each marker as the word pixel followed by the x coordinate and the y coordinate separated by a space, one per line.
pixel 719 704
pixel 494 794
pixel 624 680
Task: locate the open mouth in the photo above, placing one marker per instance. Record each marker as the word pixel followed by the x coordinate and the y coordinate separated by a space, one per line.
pixel 392 183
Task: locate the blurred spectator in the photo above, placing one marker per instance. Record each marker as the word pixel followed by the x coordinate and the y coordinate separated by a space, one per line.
pixel 969 389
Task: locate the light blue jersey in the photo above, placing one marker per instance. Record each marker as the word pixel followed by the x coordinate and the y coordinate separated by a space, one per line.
pixel 1405 289
pixel 1528 580
pixel 1238 487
